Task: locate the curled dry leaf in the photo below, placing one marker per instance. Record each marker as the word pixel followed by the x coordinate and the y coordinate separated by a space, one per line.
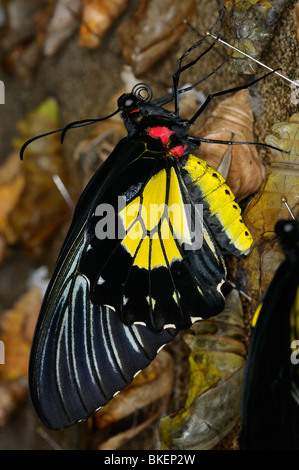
pixel 97 17
pixel 150 389
pixel 16 331
pixel 35 28
pixel 248 25
pixel 217 362
pixel 12 394
pixel 240 165
pixel 153 30
pixel 267 207
pixel 22 38
pixel 22 59
pixel 12 183
pixel 62 24
pixel 40 208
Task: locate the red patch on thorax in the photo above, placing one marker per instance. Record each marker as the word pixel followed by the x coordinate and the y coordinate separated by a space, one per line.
pixel 160 132
pixel 178 151
pixel 163 133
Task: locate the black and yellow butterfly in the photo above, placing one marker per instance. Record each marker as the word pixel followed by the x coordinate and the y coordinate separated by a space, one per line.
pixel 270 403
pixel 141 261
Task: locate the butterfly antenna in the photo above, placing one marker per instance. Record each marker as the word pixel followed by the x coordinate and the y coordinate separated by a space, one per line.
pixel 35 138
pixel 84 122
pixel 63 130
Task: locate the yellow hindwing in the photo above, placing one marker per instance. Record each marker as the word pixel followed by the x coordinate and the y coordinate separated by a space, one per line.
pixel 220 200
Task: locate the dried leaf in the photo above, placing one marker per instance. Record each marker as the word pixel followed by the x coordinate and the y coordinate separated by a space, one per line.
pixel 17 326
pixel 39 208
pixel 35 28
pixel 240 165
pixel 4 249
pixel 19 49
pixel 121 438
pixel 149 387
pixel 21 14
pixel 152 32
pixel 217 362
pixel 266 208
pixel 3 18
pixel 12 183
pixel 16 331
pixel 248 25
pixel 23 59
pixel 12 394
pixel 97 17
pixel 62 25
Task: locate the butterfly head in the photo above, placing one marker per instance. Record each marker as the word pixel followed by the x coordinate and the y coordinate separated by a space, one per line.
pixel 134 102
pixel 131 107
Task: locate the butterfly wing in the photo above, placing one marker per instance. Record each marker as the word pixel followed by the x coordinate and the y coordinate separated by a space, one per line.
pixel 82 354
pixel 269 413
pixel 86 347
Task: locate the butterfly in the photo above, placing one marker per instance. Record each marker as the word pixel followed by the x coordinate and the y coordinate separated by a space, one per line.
pixel 270 401
pixel 143 259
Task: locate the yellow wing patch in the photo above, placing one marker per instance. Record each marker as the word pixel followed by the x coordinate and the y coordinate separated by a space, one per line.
pixel 177 213
pixel 148 220
pixel 153 200
pixel 256 315
pixel 169 243
pixel 142 256
pixel 157 255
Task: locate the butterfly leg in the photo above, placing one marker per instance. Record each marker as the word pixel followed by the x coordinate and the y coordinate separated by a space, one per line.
pixel 191 121
pixel 225 92
pixel 180 69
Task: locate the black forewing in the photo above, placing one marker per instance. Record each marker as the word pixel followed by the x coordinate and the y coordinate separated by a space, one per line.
pixel 269 414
